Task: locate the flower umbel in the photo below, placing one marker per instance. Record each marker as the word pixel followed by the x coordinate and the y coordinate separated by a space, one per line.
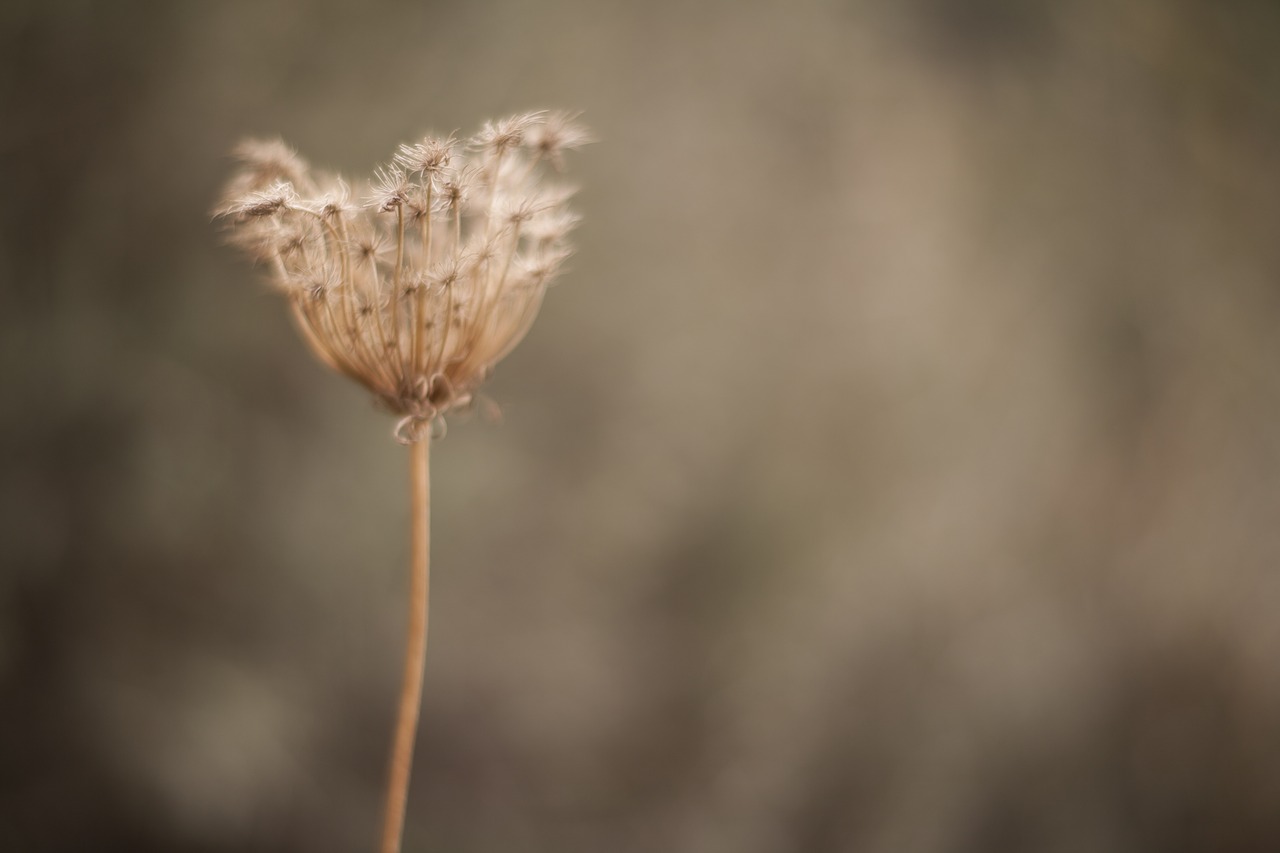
pixel 416 284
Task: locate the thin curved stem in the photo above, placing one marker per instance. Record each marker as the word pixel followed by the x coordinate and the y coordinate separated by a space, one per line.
pixel 415 647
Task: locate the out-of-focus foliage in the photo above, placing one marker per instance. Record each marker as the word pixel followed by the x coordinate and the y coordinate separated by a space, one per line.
pixel 896 468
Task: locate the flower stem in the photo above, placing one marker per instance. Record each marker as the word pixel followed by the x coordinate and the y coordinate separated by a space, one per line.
pixel 415 647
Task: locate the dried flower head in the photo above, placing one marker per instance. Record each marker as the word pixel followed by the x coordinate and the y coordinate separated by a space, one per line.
pixel 420 291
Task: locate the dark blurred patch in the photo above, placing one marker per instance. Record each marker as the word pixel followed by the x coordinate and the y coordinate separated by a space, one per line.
pixel 985 32
pixel 73 79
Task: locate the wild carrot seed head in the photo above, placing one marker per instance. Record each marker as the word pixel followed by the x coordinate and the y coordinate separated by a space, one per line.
pixel 419 292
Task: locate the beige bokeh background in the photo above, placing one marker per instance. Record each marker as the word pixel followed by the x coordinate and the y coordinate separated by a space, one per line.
pixel 896 469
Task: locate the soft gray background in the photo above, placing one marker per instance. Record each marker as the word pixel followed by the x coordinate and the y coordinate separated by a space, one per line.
pixel 897 469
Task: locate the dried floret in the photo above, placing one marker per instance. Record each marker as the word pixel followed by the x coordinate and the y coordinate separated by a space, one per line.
pixel 557 133
pixel 431 156
pixel 502 135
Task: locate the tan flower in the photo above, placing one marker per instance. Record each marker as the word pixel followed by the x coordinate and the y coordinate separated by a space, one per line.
pixel 418 292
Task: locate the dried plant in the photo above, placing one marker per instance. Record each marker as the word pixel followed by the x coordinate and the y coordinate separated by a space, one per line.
pixel 415 286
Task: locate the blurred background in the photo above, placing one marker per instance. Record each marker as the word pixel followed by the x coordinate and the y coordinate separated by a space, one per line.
pixel 896 469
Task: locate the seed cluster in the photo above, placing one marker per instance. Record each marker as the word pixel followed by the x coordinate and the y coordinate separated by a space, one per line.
pixel 419 283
